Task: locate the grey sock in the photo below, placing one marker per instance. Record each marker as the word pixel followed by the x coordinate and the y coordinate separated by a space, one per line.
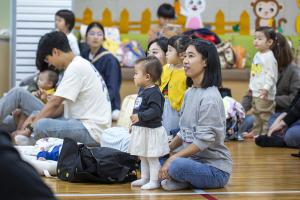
pixel 170 185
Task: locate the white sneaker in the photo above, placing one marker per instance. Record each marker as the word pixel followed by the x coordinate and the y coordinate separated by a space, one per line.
pixel 115 115
pixel 23 140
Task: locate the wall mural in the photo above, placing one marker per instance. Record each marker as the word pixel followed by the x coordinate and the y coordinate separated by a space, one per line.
pixel 192 11
pixel 220 16
pixel 266 12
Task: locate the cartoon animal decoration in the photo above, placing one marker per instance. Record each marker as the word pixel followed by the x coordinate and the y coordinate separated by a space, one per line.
pixel 192 10
pixel 266 11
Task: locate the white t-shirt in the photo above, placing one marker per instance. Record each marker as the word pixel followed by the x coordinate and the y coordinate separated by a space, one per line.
pixel 73 44
pixel 264 74
pixel 86 97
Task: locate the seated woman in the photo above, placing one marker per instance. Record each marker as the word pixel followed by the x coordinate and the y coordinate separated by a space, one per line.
pixel 106 64
pixel 204 162
pixel 287 124
pixel 158 48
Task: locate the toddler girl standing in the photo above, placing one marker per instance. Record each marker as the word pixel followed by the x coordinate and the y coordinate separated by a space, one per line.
pixel 149 139
pixel 264 75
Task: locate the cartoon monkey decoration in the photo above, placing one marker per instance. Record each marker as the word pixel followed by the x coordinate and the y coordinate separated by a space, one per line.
pixel 266 11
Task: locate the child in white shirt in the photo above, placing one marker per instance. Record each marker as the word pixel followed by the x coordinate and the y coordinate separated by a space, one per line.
pixel 264 75
pixel 64 22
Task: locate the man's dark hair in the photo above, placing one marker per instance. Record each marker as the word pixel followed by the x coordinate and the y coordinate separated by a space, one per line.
pixel 166 10
pixel 68 16
pixel 46 45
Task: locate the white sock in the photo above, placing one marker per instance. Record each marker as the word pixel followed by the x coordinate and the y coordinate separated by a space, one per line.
pixel 151 185
pixel 154 166
pixel 144 174
pixel 171 185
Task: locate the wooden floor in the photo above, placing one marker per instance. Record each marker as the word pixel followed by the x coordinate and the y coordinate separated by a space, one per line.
pixel 258 173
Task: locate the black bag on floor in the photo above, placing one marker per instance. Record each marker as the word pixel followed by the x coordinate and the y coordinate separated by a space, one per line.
pixel 273 141
pixel 78 163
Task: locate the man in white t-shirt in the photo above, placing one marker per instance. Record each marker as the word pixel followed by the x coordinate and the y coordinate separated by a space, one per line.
pixel 81 97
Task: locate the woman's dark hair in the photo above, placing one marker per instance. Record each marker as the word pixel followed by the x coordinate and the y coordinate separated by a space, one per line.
pixel 152 66
pixel 166 10
pixel 212 74
pixel 162 42
pixel 280 47
pixel 68 16
pixel 179 42
pixel 283 52
pixel 95 24
pixel 47 43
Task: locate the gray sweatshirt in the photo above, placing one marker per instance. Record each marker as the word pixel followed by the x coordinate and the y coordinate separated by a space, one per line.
pixel 202 122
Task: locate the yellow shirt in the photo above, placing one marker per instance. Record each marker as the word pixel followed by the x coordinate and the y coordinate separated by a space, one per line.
pixel 49 92
pixel 176 81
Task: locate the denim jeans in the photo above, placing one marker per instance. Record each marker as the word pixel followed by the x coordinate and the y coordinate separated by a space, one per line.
pixel 247 124
pixel 62 128
pixel 273 118
pixel 17 98
pixel 197 174
pixel 292 133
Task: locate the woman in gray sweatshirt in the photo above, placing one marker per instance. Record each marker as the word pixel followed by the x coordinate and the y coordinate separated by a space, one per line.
pixel 204 162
